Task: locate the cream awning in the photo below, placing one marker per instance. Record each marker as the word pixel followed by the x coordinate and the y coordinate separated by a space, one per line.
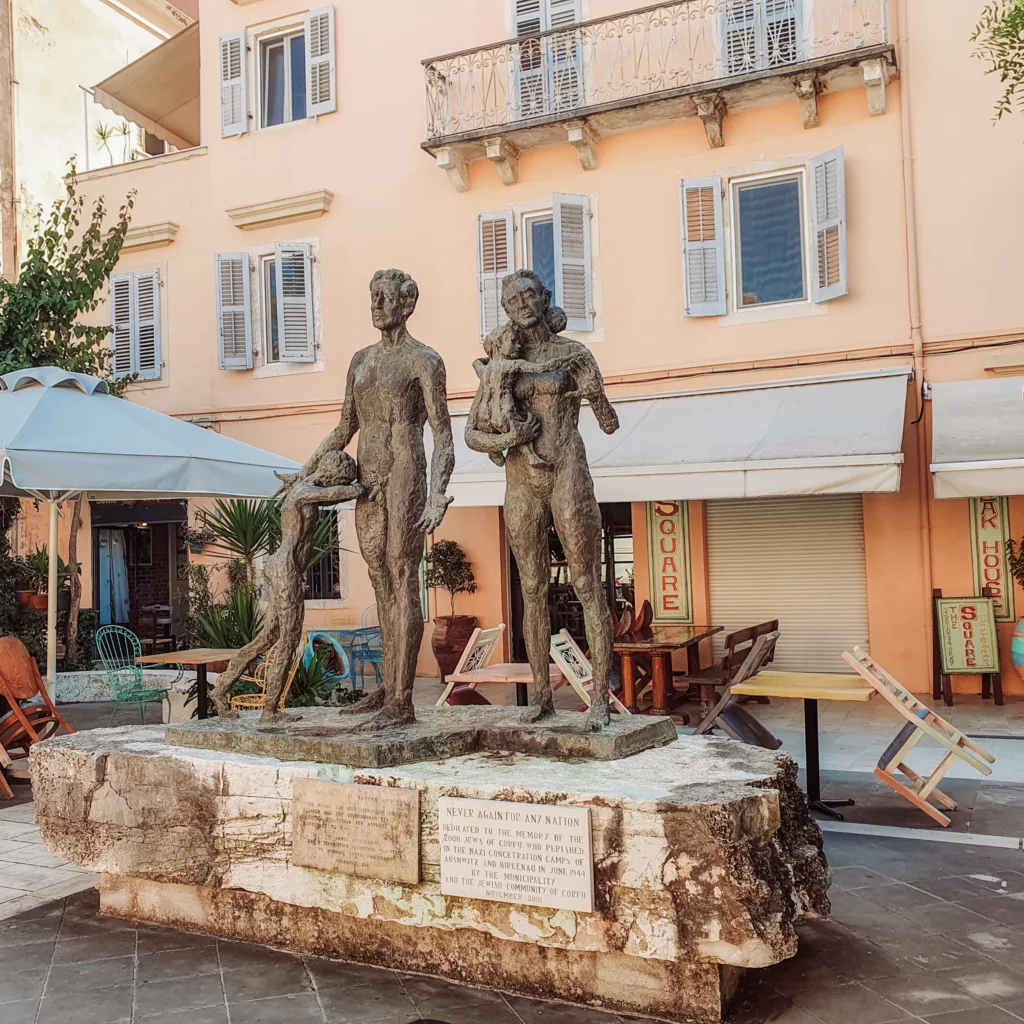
pixel 978 438
pixel 160 90
pixel 822 435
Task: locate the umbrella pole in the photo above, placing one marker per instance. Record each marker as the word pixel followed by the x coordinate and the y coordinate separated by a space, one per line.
pixel 51 606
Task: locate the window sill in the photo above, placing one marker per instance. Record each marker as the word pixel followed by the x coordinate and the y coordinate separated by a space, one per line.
pixel 286 369
pixel 765 314
pixel 324 604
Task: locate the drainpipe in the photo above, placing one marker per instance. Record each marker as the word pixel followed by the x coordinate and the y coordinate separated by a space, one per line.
pixel 916 336
pixel 8 223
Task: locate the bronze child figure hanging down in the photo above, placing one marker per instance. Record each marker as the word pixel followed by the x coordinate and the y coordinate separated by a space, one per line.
pixel 285 575
pixel 548 480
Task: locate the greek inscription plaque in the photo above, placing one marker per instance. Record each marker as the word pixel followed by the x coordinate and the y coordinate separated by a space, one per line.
pixel 537 854
pixel 368 831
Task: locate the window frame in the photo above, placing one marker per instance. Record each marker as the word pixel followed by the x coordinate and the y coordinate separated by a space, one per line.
pixel 266 266
pixel 527 221
pixel 283 29
pixel 734 272
pixel 265 43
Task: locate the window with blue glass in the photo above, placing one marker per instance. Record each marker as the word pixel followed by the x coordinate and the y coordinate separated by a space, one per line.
pixel 769 242
pixel 283 79
pixel 540 232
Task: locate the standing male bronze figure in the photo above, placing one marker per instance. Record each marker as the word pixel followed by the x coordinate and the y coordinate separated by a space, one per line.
pixel 560 492
pixel 394 387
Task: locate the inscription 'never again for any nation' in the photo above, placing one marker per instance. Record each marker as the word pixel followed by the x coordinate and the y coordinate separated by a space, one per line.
pixel 516 853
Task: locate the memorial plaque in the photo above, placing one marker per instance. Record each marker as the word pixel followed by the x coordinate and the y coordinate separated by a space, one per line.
pixel 537 854
pixel 369 831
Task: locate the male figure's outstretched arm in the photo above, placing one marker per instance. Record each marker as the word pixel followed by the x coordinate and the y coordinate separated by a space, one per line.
pixel 442 463
pixel 310 494
pixel 590 385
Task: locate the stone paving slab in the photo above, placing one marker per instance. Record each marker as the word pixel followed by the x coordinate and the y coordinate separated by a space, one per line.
pixel 323 735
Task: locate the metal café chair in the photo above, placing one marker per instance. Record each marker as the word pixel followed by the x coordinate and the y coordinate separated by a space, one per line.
pixel 119 650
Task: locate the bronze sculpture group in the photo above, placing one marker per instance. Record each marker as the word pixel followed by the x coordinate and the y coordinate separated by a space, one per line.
pixel 525 416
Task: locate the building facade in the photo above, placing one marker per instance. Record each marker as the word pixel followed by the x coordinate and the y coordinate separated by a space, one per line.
pixel 779 225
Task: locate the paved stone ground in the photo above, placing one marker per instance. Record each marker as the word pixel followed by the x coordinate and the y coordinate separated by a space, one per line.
pixel 921 931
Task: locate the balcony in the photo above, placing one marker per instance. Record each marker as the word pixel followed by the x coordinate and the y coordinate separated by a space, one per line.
pixel 696 58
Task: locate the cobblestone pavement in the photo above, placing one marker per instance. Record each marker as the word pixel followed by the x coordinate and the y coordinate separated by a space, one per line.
pixel 920 931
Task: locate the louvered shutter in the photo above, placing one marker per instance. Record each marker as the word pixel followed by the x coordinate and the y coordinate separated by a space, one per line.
pixel 703 246
pixel 782 32
pixel 495 259
pixel 321 95
pixel 573 291
pixel 828 209
pixel 799 560
pixel 530 18
pixel 564 54
pixel 294 303
pixel 234 320
pixel 233 112
pixel 146 343
pixel 121 322
pixel 740 37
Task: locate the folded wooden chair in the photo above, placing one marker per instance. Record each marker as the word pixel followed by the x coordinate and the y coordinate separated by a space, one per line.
pixel 727 715
pixel 577 671
pixel 476 654
pixel 35 720
pixel 921 722
pixel 6 793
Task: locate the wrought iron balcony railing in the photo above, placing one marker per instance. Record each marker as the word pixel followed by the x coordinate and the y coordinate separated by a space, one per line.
pixel 639 56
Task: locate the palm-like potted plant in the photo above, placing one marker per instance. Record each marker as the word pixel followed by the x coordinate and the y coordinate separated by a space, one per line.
pixel 1015 559
pixel 34 580
pixel 449 569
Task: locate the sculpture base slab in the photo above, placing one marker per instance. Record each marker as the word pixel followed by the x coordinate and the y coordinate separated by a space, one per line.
pixel 703 860
pixel 323 735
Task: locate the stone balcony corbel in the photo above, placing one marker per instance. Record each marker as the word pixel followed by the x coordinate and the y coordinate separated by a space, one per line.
pixel 876 78
pixel 711 110
pixel 584 140
pixel 807 88
pixel 505 158
pixel 453 163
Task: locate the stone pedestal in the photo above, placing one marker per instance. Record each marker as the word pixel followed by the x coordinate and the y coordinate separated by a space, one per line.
pixel 704 857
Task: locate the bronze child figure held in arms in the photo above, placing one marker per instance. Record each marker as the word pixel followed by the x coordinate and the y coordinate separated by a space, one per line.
pixel 394 387
pixel 556 486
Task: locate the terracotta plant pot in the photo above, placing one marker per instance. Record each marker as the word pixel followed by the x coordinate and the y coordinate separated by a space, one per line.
pixel 24 597
pixel 451 634
pixel 35 602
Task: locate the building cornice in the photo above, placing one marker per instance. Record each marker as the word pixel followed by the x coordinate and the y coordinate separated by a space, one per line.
pixel 304 206
pixel 149 236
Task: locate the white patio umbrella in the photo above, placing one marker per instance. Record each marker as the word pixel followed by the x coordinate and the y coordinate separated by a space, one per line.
pixel 62 434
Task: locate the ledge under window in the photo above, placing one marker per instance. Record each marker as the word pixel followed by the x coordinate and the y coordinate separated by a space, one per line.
pixel 304 206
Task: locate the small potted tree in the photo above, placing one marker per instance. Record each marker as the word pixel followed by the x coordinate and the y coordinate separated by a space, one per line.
pixel 449 569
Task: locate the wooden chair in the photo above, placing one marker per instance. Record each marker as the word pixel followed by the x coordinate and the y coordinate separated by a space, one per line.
pixel 921 721
pixel 577 671
pixel 727 715
pixel 25 724
pixel 478 653
pixel 153 625
pixel 256 701
pixel 737 646
pixel 6 793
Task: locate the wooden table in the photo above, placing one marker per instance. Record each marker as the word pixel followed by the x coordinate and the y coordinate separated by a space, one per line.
pixel 659 647
pixel 507 672
pixel 810 687
pixel 199 657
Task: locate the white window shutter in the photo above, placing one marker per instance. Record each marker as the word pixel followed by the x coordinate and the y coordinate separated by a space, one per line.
pixel 530 17
pixel 146 343
pixel 321 91
pixel 703 246
pixel 562 13
pixel 294 303
pixel 828 210
pixel 234 318
pixel 121 323
pixel 233 112
pixel 495 252
pixel 573 289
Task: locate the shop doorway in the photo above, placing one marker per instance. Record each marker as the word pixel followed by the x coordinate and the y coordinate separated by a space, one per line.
pixel 140 566
pixel 565 610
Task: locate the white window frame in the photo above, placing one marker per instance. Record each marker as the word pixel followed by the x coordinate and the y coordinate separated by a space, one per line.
pixel 284 39
pixel 732 238
pixel 255 38
pixel 526 225
pixel 262 367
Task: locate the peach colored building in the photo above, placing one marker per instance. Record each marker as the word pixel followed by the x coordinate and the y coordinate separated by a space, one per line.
pixel 783 227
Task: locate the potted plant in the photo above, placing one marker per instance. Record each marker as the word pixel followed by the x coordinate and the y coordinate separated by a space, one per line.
pixel 34 574
pixel 1015 559
pixel 25 590
pixel 449 569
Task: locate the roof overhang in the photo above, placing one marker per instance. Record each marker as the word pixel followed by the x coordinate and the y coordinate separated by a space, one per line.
pixel 160 90
pixel 823 435
pixel 978 438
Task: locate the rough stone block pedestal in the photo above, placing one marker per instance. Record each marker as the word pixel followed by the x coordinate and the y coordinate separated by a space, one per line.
pixel 704 858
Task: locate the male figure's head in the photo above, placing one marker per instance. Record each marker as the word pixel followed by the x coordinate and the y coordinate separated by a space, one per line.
pixel 393 297
pixel 335 469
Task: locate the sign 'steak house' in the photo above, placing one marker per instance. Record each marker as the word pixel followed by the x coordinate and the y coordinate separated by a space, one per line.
pixel 783 227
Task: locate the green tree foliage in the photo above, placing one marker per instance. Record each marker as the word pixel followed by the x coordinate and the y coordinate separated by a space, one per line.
pixel 1000 43
pixel 449 569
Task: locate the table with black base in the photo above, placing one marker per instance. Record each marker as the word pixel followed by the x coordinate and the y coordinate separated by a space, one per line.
pixel 810 687
pixel 200 658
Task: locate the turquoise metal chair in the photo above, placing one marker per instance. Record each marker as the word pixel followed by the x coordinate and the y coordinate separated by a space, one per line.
pixel 325 636
pixel 367 650
pixel 119 648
